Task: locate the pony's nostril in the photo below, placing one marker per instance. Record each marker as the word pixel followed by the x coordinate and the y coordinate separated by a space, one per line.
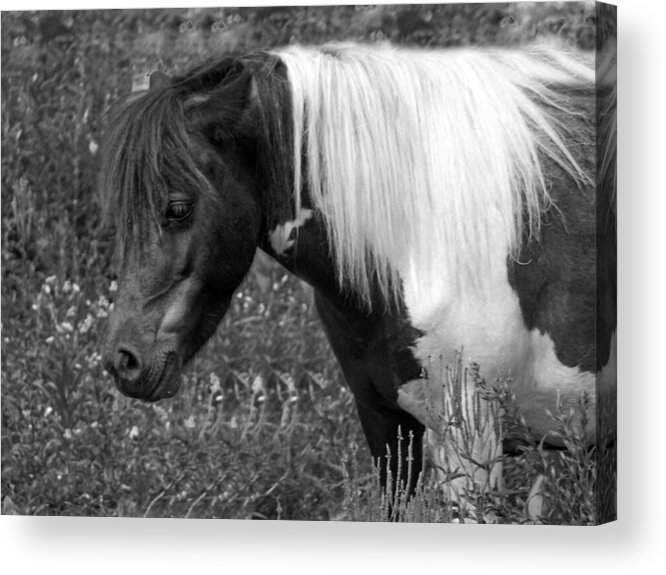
pixel 127 360
pixel 127 365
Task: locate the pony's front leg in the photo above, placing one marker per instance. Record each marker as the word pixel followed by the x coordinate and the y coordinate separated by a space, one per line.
pixel 394 436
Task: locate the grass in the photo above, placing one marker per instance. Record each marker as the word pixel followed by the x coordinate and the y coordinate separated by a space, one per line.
pixel 567 478
pixel 259 430
pixel 264 427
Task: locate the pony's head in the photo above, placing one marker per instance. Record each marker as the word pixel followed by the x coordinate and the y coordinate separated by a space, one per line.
pixel 184 181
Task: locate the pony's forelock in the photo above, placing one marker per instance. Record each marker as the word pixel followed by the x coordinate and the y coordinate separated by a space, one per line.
pixel 147 151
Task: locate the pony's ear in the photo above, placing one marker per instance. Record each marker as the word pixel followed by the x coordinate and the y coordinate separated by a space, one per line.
pixel 158 80
pixel 217 112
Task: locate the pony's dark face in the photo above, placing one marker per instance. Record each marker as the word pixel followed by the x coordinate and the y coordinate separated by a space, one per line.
pixel 180 268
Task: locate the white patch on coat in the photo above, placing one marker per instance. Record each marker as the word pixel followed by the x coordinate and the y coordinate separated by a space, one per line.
pixel 485 323
pixel 280 238
pixel 527 359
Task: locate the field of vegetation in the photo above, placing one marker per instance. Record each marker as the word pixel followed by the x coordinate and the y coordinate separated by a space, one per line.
pixel 264 426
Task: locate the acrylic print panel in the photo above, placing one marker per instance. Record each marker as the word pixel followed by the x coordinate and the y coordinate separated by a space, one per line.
pixel 352 263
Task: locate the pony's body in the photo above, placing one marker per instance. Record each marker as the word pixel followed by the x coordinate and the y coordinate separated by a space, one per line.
pixel 437 202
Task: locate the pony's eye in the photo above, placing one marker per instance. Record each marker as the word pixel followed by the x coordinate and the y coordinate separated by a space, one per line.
pixel 178 211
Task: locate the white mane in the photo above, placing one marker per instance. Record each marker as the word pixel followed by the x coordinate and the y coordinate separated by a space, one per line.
pixel 409 151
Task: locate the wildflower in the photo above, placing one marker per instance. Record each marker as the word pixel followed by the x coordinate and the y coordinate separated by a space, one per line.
pixel 103 305
pixel 93 147
pixel 258 384
pixel 75 288
pixel 114 286
pixel 67 287
pixel 86 324
pixel 214 383
pixel 48 411
pixel 189 422
pixel 50 280
pixel 134 432
pixel 94 359
pixel 64 327
pixel 71 312
pixel 50 339
pixel 68 433
pixel 161 413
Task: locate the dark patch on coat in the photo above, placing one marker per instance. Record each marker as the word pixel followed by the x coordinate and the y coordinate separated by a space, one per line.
pixel 565 279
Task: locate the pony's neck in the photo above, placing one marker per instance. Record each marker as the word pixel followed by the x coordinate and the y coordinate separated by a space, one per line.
pixel 301 246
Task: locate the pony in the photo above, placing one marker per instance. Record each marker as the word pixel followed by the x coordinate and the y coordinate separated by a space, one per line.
pixel 443 204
